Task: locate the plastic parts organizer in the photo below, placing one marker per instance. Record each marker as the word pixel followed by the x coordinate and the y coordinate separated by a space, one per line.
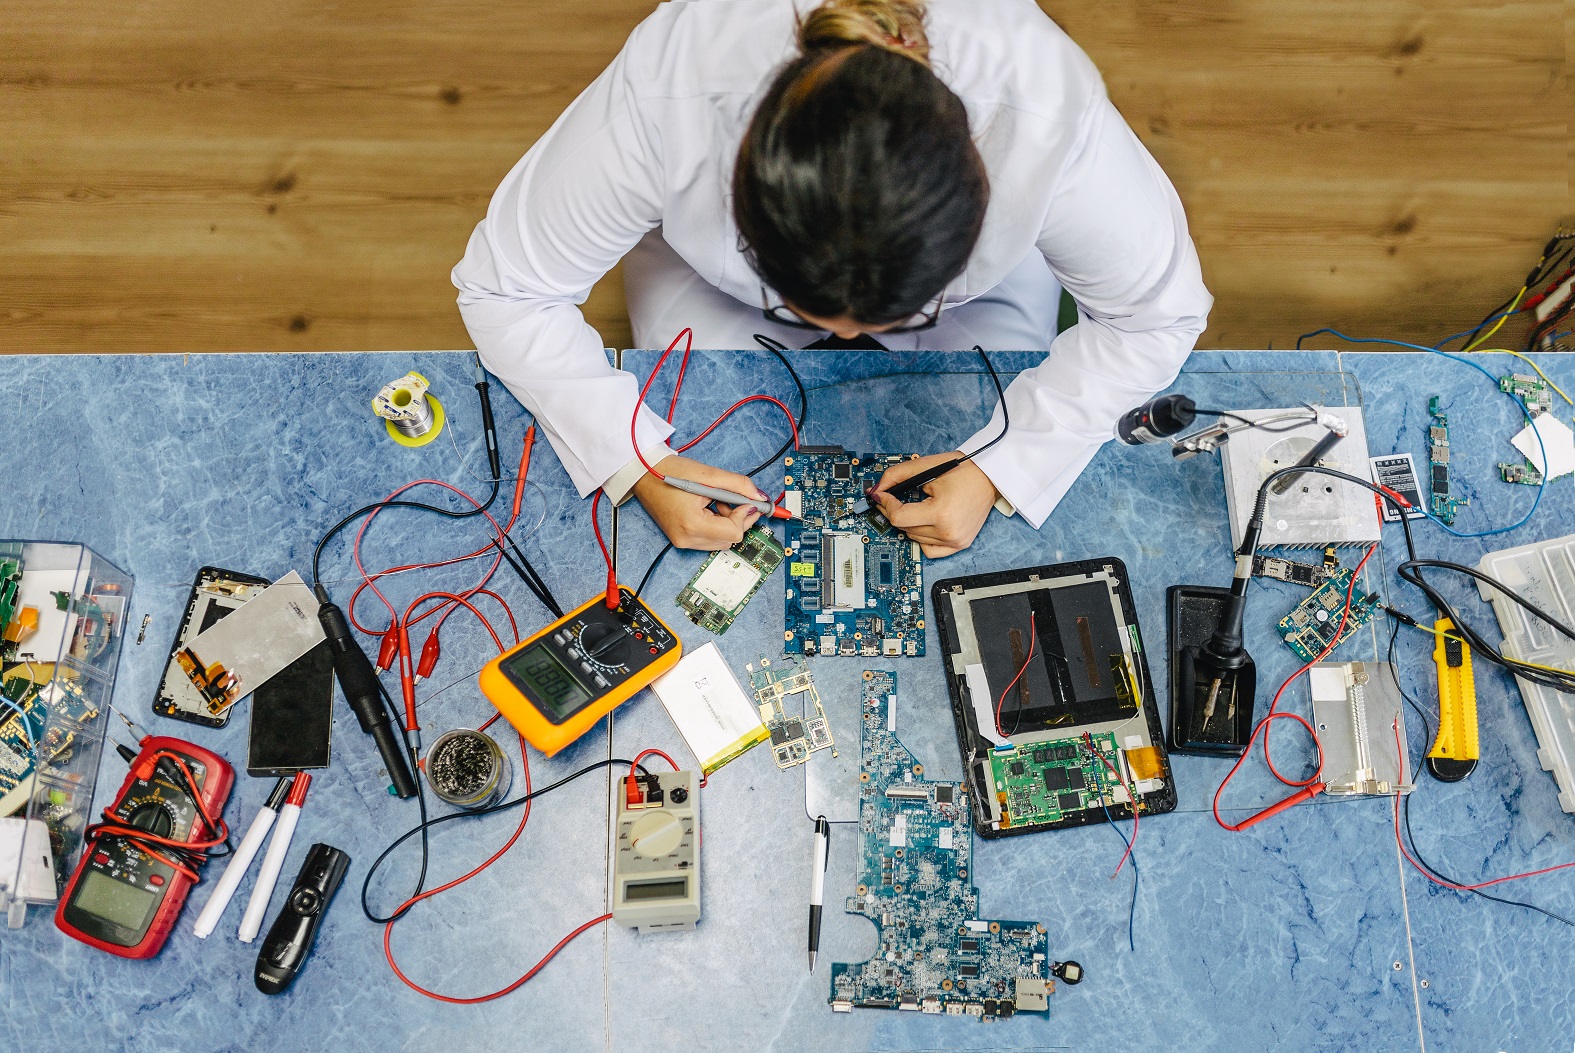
pixel 1544 574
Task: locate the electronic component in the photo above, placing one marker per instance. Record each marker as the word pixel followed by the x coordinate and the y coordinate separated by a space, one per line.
pixel 1454 753
pixel 709 708
pixel 1311 626
pixel 1540 573
pixel 122 899
pixel 794 736
pixel 1306 574
pixel 934 954
pixel 1036 659
pixel 241 652
pixel 1530 390
pixel 293 932
pixel 1356 706
pixel 1314 509
pixel 729 579
pixel 292 717
pixel 1445 505
pixel 656 858
pixel 1397 472
pixel 1043 782
pixel 27 867
pixel 556 685
pixel 854 584
pixel 44 727
pixel 214 594
pixel 1524 473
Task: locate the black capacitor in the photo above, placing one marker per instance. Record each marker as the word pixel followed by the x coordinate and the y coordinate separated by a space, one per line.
pixel 1156 419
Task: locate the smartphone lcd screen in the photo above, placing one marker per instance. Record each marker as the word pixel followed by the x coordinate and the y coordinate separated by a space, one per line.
pixel 292 716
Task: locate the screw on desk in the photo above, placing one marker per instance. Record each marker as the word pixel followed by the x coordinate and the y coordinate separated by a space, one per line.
pixel 1398 967
pixel 1426 984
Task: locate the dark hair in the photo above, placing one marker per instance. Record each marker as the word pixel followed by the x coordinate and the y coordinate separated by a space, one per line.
pixel 858 190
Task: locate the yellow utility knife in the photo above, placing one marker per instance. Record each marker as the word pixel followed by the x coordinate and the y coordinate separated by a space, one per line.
pixel 1454 753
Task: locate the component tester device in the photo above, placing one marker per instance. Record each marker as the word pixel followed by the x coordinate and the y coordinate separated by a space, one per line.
pixel 556 685
pixel 656 865
pixel 121 899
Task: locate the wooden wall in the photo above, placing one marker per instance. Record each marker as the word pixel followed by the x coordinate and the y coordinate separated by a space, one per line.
pixel 224 175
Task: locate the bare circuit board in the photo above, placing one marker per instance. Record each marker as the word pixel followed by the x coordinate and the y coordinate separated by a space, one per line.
pixel 728 580
pixel 49 716
pixel 1530 390
pixel 935 955
pixel 1043 782
pixel 854 584
pixel 1445 505
pixel 796 731
pixel 1308 574
pixel 1524 473
pixel 1310 628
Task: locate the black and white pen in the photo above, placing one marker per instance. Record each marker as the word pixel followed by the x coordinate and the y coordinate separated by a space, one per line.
pixel 817 885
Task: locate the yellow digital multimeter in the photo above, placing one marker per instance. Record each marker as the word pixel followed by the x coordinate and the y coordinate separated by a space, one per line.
pixel 555 686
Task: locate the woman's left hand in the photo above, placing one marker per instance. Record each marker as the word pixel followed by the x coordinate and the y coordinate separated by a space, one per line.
pixel 958 504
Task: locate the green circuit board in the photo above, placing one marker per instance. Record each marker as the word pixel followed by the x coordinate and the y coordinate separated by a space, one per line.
pixel 727 580
pixel 1310 628
pixel 55 713
pixel 1530 390
pixel 1043 782
pixel 935 954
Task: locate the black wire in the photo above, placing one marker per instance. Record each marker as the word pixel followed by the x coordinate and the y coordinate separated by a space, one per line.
pixel 421 802
pixel 1405 804
pixel 776 347
pixel 1000 394
pixel 427 824
pixel 317 552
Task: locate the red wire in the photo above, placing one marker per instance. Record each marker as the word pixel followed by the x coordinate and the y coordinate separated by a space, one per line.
pixel 1131 792
pixel 638 757
pixel 1033 635
pixel 1272 715
pixel 114 826
pixel 1399 752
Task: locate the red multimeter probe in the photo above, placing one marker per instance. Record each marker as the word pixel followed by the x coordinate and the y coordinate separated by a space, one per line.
pixel 137 868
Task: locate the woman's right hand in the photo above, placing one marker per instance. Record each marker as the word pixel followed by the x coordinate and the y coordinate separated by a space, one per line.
pixel 688 520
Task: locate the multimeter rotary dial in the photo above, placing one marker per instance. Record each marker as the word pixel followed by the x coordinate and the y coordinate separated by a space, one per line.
pixel 603 645
pixel 656 834
pixel 152 814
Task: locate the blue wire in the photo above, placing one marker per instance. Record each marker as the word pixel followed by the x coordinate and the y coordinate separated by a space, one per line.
pixel 1473 329
pixel 1556 337
pixel 1132 911
pixel 1524 412
pixel 26 722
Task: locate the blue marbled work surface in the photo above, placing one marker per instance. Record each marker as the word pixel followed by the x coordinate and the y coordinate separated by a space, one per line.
pixel 1307 932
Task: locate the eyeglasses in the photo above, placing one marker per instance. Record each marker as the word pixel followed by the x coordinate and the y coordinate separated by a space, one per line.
pixel 782 314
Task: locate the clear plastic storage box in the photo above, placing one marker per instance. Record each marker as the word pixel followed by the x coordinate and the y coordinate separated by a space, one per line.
pixel 62 618
pixel 1543 574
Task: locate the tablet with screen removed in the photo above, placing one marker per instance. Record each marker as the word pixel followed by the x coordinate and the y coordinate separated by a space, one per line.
pixel 1051 694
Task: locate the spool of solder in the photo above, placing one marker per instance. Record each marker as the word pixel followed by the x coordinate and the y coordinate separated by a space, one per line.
pixel 412 415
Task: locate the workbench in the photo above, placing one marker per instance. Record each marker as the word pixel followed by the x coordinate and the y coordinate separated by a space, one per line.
pixel 1306 932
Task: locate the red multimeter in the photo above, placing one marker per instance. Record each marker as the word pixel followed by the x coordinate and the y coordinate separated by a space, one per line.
pixel 121 899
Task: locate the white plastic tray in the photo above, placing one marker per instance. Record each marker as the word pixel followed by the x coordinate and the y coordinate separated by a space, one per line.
pixel 1544 574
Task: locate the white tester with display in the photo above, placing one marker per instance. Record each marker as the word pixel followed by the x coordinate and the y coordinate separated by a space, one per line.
pixel 656 858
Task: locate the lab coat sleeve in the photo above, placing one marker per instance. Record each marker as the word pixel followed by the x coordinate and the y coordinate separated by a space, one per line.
pixel 1116 237
pixel 563 217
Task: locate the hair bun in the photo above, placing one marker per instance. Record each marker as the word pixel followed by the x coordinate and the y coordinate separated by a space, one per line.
pixel 891 25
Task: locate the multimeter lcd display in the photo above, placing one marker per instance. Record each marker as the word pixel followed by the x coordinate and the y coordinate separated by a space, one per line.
pixel 554 688
pixel 675 889
pixel 115 901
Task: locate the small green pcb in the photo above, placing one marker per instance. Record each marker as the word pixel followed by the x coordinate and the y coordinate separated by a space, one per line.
pixel 1310 628
pixel 1042 782
pixel 728 579
pixel 1524 473
pixel 1530 390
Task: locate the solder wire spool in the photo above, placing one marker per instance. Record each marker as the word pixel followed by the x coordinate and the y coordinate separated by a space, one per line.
pixel 412 415
pixel 467 769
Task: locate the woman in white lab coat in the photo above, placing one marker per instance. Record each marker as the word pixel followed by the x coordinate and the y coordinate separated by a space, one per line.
pixel 921 175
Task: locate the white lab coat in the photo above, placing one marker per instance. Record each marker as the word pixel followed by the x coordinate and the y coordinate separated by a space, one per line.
pixel 652 141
